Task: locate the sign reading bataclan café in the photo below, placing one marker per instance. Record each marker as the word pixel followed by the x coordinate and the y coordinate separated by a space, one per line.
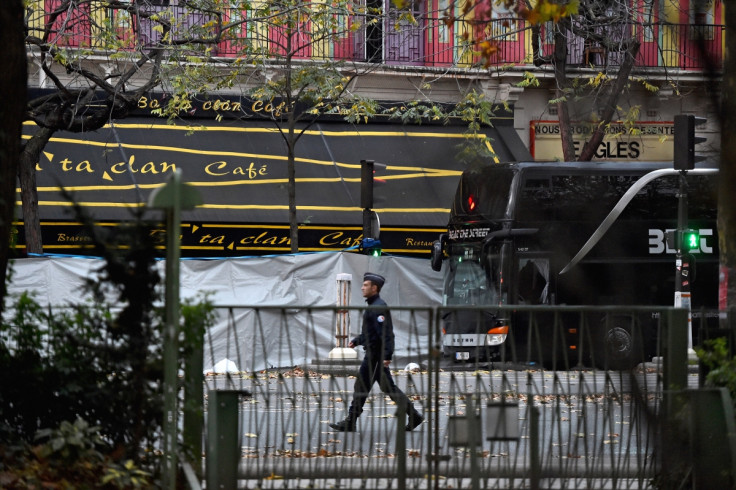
pixel 644 141
pixel 237 163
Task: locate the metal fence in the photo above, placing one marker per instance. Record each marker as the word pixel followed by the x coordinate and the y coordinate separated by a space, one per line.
pixel 511 422
pixel 393 37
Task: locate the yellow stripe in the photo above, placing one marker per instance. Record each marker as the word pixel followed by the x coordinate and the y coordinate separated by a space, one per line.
pixel 124 187
pixel 249 226
pixel 75 223
pixel 273 249
pixel 262 156
pixel 270 227
pixel 220 249
pixel 350 209
pixel 310 132
pixel 276 207
pixel 67 246
pixel 249 155
pixel 430 230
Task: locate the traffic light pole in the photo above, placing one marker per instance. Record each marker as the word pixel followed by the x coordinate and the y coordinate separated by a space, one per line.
pixel 371 228
pixel 682 260
pixel 367 228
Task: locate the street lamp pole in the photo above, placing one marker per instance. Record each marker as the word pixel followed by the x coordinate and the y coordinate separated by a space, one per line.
pixel 682 260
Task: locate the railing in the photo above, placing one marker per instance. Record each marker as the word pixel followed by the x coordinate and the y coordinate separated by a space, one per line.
pixel 575 428
pixel 390 40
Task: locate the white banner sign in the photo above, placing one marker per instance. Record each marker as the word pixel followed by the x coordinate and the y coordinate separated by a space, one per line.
pixel 645 141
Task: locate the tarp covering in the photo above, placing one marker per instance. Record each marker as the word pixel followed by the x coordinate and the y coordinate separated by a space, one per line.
pixel 295 281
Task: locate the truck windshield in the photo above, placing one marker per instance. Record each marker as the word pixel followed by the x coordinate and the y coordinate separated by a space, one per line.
pixel 466 281
pixel 484 193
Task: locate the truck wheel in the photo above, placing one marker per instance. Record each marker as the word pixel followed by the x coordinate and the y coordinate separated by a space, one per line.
pixel 619 343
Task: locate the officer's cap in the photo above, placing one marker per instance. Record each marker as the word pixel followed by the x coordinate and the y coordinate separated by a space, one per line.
pixel 376 279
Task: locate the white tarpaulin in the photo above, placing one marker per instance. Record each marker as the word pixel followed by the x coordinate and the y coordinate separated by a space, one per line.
pixel 256 341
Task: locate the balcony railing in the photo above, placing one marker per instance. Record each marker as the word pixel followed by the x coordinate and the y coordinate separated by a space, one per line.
pixel 390 39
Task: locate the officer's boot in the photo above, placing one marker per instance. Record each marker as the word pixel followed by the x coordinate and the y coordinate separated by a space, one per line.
pixel 346 425
pixel 415 418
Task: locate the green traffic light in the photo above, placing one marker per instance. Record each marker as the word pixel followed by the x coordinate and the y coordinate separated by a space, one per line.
pixel 376 252
pixel 691 240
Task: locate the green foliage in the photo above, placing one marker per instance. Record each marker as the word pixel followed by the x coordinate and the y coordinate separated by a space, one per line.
pixel 196 318
pixel 98 364
pixel 645 83
pixel 70 442
pixel 721 364
pixel 89 360
pixel 418 112
pixel 126 475
pixel 71 456
pixel 477 112
pixel 529 80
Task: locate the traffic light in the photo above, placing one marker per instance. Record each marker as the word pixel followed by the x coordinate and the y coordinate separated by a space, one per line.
pixel 471 203
pixel 367 176
pixel 366 184
pixel 685 140
pixel 690 240
pixel 371 247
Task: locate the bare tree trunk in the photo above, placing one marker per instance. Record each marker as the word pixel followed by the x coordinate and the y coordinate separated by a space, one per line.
pixel 291 139
pixel 293 225
pixel 563 113
pixel 13 79
pixel 609 110
pixel 727 177
pixel 28 190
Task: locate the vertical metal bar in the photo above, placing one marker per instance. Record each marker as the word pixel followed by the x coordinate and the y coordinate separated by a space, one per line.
pixel 171 336
pixel 433 396
pixel 194 407
pixel 712 426
pixel 673 436
pixel 223 451
pixel 534 462
pixel 473 442
pixel 401 446
pixel 675 350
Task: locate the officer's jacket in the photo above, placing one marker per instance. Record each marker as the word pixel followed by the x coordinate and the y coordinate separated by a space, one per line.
pixel 377 335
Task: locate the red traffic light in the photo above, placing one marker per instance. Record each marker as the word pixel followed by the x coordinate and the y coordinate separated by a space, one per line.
pixel 471 203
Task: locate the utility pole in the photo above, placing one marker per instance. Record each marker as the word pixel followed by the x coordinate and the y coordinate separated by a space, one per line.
pixel 172 198
pixel 682 260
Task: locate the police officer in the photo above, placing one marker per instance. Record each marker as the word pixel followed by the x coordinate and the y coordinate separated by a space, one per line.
pixel 377 338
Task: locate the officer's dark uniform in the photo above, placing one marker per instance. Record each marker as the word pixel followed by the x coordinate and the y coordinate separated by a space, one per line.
pixel 377 338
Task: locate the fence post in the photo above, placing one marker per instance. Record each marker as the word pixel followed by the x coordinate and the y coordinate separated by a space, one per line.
pixel 223 439
pixel 712 426
pixel 194 407
pixel 675 361
pixel 433 400
pixel 534 462
pixel 401 446
pixel 675 441
pixel 474 440
pixel 172 198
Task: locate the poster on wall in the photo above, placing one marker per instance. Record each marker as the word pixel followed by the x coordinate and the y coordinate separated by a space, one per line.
pixel 644 141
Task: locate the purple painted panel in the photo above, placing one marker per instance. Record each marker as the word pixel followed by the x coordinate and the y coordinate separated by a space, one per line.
pixel 185 23
pixel 404 39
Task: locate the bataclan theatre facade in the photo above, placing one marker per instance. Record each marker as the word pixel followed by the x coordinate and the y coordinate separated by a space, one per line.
pixel 236 159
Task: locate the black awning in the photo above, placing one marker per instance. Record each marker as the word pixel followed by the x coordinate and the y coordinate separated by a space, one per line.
pixel 240 170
